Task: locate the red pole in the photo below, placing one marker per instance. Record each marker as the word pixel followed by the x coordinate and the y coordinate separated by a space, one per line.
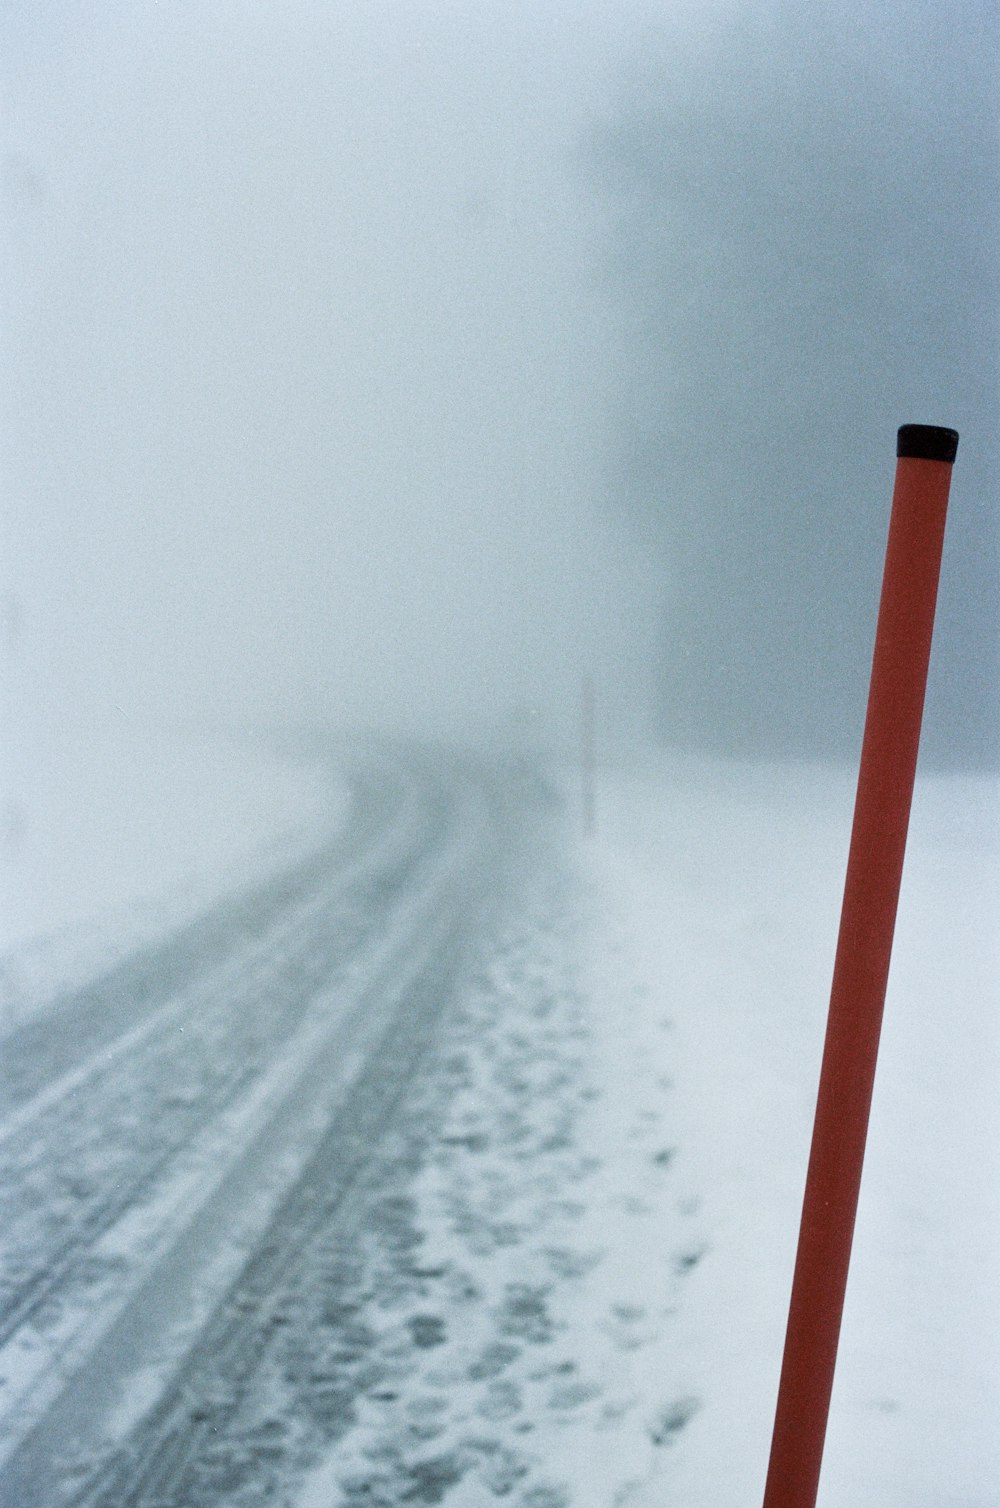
pixel 861 968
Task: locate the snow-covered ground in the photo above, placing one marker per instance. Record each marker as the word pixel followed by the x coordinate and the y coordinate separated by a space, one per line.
pixel 716 895
pixel 563 1283
pixel 606 1223
pixel 112 835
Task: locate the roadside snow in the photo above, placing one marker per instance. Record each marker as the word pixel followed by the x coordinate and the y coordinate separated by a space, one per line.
pixel 114 836
pixel 578 1298
pixel 718 895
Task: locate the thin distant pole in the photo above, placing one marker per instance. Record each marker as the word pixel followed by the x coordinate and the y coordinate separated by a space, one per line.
pixel 861 968
pixel 587 780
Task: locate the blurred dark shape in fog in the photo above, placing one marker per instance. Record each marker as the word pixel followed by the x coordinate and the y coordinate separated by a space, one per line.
pixel 804 253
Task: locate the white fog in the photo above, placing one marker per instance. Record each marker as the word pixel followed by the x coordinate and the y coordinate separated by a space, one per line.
pixel 446 461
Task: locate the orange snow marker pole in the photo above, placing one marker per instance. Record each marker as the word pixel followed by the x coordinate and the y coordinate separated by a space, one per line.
pixel 871 892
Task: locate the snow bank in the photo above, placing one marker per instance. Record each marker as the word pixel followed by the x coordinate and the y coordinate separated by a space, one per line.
pixel 113 835
pixel 717 893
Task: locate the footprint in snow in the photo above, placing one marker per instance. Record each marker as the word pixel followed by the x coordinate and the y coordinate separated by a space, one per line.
pixel 564 1262
pixel 572 1395
pixel 632 1204
pixel 626 1327
pixel 524 1313
pixel 629 1314
pixel 545 1497
pixel 672 1419
pixel 687 1260
pixel 500 1468
pixel 425 1416
pixel 501 1400
pixel 493 1360
pixel 427 1330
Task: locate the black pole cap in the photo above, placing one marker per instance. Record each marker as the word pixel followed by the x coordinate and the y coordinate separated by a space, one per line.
pixel 927 442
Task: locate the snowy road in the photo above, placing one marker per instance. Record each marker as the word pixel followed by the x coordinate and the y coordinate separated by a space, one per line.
pixel 446 1159
pixel 177 1137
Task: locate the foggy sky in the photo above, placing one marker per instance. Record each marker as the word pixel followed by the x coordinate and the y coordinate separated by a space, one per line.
pixel 402 362
pixel 304 384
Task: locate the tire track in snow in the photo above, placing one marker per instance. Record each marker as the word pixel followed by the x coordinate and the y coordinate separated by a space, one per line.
pixel 324 1067
pixel 161 1084
pixel 42 1052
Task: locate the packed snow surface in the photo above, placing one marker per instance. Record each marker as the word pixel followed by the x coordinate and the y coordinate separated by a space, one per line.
pixel 112 835
pixel 608 1218
pixel 563 1280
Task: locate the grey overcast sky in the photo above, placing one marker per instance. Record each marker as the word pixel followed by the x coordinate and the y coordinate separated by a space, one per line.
pixel 380 361
pixel 304 383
